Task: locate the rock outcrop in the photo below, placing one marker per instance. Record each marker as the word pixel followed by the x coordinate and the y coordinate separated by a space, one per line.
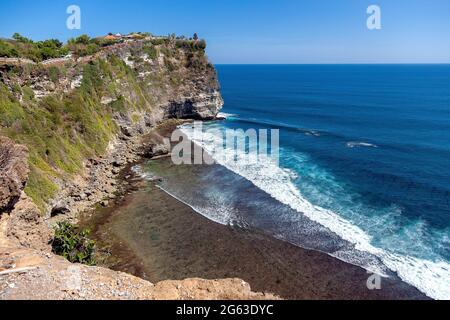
pixel 13 172
pixel 26 226
pixel 116 96
pixel 202 107
pixel 29 274
pixel 124 91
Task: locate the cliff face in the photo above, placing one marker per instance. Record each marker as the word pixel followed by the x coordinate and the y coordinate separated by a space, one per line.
pixel 67 127
pixel 73 114
pixel 13 172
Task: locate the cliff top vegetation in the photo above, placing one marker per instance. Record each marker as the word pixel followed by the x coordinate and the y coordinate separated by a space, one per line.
pixel 22 47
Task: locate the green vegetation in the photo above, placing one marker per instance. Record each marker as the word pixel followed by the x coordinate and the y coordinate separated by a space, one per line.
pixel 54 73
pixel 20 46
pixel 23 47
pixel 194 45
pixel 72 244
pixel 8 50
pixel 151 52
pixel 159 41
pixel 83 46
pixel 61 130
pixel 20 38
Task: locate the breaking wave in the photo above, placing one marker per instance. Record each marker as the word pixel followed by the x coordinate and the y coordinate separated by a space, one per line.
pixel 431 277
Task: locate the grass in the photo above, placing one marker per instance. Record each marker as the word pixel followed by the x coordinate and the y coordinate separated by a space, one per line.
pixel 151 52
pixel 59 131
pixel 62 130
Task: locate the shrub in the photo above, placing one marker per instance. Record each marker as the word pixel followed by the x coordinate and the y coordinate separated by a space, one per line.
pixel 83 39
pixel 102 42
pixel 82 50
pixel 157 42
pixel 18 37
pixel 28 93
pixel 84 45
pixel 72 244
pixel 54 73
pixel 50 49
pixel 7 50
pixel 201 44
pixel 170 65
pixel 36 51
pixel 151 52
pixel 119 104
pixel 194 45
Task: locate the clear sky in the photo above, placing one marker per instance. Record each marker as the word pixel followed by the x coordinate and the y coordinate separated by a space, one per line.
pixel 256 31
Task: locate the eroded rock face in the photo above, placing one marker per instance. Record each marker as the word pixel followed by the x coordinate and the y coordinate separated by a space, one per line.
pixel 204 106
pixel 13 172
pixel 26 226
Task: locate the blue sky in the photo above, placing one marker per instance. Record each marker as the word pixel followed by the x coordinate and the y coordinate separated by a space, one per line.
pixel 251 31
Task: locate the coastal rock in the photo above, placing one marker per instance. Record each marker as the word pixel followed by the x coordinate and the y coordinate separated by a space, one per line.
pixel 154 150
pixel 13 172
pixel 153 145
pixel 62 209
pixel 45 276
pixel 26 226
pixel 204 106
pixel 179 84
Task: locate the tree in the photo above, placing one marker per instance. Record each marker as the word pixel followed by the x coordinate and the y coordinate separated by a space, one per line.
pixel 83 39
pixel 195 36
pixel 52 43
pixel 18 37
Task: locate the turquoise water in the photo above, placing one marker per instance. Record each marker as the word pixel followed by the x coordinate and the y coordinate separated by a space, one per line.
pixel 364 153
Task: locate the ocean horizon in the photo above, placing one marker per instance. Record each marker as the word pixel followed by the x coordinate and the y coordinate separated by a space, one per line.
pixel 336 64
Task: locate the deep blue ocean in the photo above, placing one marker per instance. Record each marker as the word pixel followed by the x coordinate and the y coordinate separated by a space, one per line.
pixel 364 154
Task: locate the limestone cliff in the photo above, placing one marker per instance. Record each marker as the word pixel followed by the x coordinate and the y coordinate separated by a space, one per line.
pixel 13 172
pixel 72 114
pixel 67 127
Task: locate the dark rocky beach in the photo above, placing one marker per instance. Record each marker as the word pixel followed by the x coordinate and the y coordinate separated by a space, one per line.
pixel 151 234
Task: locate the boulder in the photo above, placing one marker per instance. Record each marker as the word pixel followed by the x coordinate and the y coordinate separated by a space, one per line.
pixel 26 226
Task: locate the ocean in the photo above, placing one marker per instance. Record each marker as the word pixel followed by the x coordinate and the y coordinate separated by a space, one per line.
pixel 364 166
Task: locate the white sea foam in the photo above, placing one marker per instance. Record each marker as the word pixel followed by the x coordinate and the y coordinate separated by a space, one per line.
pixel 355 144
pixel 313 133
pixel 431 277
pixel 225 115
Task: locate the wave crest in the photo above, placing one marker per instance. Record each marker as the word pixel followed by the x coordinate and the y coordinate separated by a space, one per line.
pixel 431 277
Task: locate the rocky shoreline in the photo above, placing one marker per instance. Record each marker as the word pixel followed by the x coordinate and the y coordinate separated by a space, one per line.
pixel 91 117
pixel 98 184
pixel 28 269
pixel 153 235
